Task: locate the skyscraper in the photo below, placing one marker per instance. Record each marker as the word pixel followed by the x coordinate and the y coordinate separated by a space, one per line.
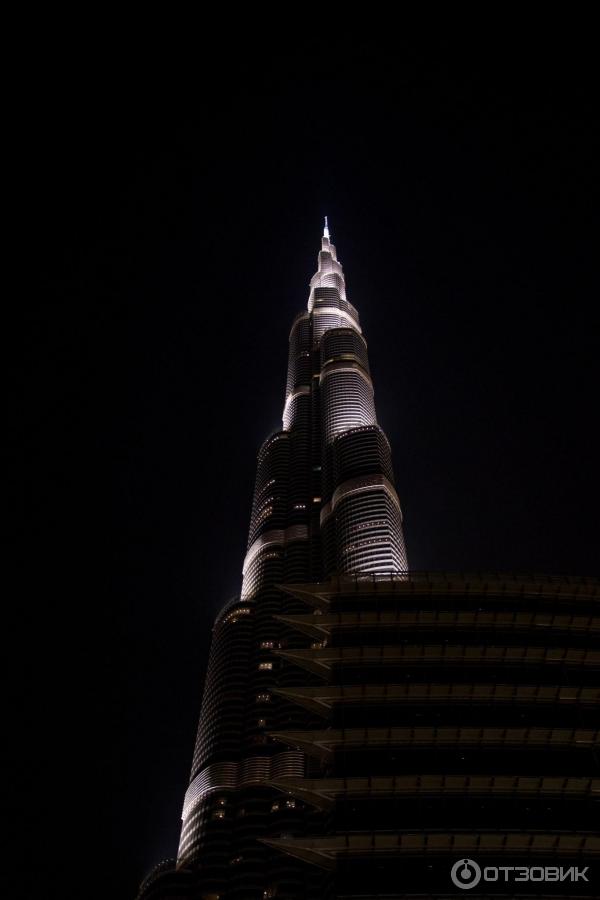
pixel 363 727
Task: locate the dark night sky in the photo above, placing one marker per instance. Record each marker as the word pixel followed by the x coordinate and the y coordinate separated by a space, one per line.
pixel 176 210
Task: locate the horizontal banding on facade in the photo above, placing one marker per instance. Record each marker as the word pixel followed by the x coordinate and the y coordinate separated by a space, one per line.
pixel 272 439
pixel 337 366
pixel 358 429
pixel 302 318
pixel 347 399
pixel 281 536
pixel 360 486
pixel 320 311
pixel 232 775
pixel 301 391
pixel 344 343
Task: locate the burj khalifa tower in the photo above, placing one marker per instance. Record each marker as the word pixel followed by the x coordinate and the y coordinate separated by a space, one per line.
pixel 361 725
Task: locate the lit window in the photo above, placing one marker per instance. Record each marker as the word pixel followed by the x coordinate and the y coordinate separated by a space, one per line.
pixel 316 499
pixel 263 698
pixel 264 666
pixel 290 804
pixel 219 814
pixel 274 806
pixel 262 723
pixel 236 613
pixel 267 645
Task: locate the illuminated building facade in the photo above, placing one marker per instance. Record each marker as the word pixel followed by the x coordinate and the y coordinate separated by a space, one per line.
pixel 324 499
pixel 362 727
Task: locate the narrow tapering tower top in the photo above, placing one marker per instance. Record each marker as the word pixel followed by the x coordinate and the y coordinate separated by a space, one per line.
pixel 324 482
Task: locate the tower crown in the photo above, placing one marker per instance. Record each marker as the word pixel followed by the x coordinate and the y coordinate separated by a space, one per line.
pixel 331 457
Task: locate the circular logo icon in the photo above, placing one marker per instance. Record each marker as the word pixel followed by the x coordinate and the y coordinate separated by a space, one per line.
pixel 465 874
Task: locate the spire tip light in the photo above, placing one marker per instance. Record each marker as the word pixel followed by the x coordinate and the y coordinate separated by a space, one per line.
pixel 326 229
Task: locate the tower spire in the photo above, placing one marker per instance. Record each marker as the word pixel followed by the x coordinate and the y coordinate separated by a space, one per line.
pixel 326 229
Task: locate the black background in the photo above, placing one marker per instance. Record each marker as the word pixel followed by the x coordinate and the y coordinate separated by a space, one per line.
pixel 173 187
